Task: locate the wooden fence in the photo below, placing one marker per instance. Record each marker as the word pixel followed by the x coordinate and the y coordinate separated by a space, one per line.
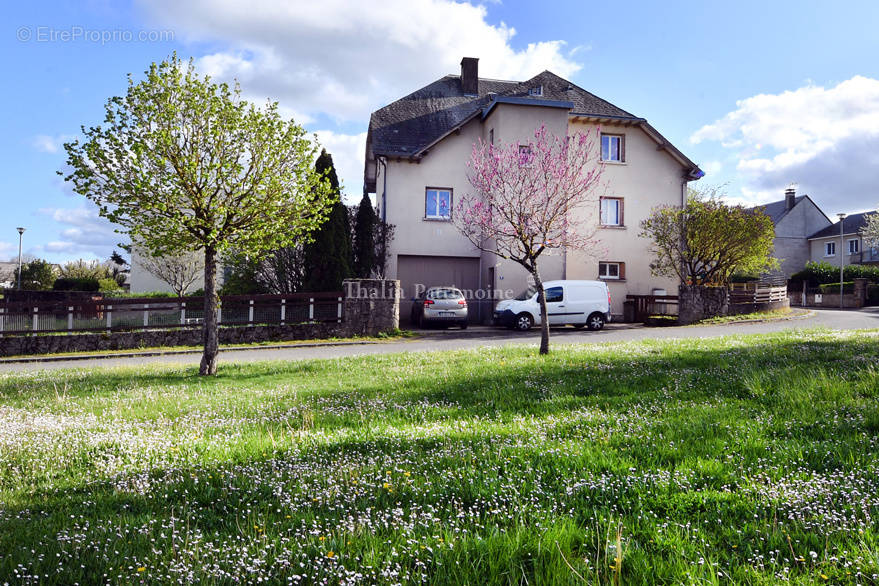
pixel 153 313
pixel 740 294
pixel 647 305
pixel 756 293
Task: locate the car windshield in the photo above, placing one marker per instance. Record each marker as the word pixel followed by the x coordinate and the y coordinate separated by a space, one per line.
pixel 526 294
pixel 444 294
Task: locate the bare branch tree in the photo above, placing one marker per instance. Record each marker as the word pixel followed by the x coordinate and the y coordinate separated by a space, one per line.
pixel 179 271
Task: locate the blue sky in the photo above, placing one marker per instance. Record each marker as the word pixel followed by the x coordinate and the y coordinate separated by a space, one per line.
pixel 761 94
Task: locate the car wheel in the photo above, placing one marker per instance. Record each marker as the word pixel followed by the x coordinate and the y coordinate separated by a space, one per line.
pixel 524 322
pixel 463 325
pixel 595 321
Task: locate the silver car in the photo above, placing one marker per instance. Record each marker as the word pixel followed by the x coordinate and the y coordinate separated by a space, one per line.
pixel 441 306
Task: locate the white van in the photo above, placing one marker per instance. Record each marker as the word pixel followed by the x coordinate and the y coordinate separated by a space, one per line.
pixel 579 303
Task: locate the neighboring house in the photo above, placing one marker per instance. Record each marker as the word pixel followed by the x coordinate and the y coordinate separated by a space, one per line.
pixel 416 163
pixel 826 244
pixel 7 274
pixel 795 218
pixel 142 281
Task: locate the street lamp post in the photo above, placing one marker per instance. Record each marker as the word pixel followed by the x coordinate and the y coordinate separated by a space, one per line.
pixel 20 233
pixel 841 217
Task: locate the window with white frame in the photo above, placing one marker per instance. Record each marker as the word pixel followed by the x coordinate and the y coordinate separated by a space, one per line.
pixel 830 249
pixel 536 91
pixel 612 148
pixel 611 211
pixel 438 203
pixel 611 270
pixel 525 155
pixel 853 246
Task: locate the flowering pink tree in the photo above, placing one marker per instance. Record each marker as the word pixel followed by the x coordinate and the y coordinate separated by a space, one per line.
pixel 532 198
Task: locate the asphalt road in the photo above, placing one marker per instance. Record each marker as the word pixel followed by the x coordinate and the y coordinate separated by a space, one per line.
pixel 456 339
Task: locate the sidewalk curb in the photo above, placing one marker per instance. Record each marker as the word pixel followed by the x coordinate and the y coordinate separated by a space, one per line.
pixel 806 315
pixel 78 357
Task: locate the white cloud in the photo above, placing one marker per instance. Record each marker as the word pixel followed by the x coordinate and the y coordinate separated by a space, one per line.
pixel 84 232
pixel 50 144
pixel 345 59
pixel 7 248
pixel 824 139
pixel 348 151
pixel 711 167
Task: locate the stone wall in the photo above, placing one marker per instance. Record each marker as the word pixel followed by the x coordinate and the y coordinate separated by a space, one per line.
pixel 696 303
pixel 371 306
pixel 854 300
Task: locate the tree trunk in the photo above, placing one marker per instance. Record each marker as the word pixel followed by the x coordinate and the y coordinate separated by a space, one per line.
pixel 211 337
pixel 544 317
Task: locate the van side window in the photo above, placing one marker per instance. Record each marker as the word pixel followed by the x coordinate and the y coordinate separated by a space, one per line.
pixel 554 295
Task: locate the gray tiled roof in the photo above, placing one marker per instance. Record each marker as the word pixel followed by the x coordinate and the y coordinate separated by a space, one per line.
pixel 410 124
pixel 850 225
pixel 778 209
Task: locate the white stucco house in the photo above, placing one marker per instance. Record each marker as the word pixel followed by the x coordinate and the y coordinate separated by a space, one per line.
pixel 827 244
pixel 416 155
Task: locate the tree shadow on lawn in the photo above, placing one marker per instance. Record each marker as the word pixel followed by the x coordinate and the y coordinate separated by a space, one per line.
pixel 701 399
pixel 512 382
pixel 212 500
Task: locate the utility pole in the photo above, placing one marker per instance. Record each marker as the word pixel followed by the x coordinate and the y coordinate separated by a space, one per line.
pixel 20 233
pixel 841 217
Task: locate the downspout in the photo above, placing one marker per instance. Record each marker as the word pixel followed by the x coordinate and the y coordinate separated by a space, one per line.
pixel 384 165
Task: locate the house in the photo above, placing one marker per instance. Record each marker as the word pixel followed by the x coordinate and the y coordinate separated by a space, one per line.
pixel 796 218
pixel 7 274
pixel 416 163
pixel 826 244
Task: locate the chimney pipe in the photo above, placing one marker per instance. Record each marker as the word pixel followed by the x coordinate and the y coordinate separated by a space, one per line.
pixel 790 198
pixel 470 76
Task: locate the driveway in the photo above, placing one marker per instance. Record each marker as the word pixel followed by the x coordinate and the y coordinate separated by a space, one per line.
pixel 477 336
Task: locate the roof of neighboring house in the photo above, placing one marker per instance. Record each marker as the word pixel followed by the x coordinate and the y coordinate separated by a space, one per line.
pixel 408 127
pixel 777 210
pixel 850 225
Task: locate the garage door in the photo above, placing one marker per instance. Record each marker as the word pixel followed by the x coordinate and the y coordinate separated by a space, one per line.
pixel 432 271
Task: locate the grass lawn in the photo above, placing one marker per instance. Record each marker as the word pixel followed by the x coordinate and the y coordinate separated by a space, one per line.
pixel 743 460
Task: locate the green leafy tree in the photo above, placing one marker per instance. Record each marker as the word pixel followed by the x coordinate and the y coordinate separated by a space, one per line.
pixel 37 275
pixel 365 221
pixel 184 164
pixel 329 257
pixel 240 274
pixel 85 269
pixel 117 259
pixel 708 241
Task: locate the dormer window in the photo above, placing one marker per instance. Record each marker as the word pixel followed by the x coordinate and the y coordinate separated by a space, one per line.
pixel 536 91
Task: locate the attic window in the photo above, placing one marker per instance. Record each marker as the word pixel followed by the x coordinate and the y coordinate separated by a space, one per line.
pixel 536 91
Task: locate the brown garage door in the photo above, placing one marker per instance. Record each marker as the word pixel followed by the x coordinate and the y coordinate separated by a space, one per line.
pixel 431 271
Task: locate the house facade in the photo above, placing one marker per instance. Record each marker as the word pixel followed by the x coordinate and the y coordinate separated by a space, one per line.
pixel 416 164
pixel 796 218
pixel 827 244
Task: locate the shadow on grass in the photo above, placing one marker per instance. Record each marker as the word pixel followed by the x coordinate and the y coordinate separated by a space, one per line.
pixel 705 401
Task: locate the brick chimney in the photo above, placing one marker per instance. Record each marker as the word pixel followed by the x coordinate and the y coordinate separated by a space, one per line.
pixel 790 198
pixel 470 76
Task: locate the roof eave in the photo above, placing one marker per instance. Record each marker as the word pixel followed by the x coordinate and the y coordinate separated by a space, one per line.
pixel 694 173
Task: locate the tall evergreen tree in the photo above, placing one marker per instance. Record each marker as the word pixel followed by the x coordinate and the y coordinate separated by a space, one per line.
pixel 364 239
pixel 329 258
